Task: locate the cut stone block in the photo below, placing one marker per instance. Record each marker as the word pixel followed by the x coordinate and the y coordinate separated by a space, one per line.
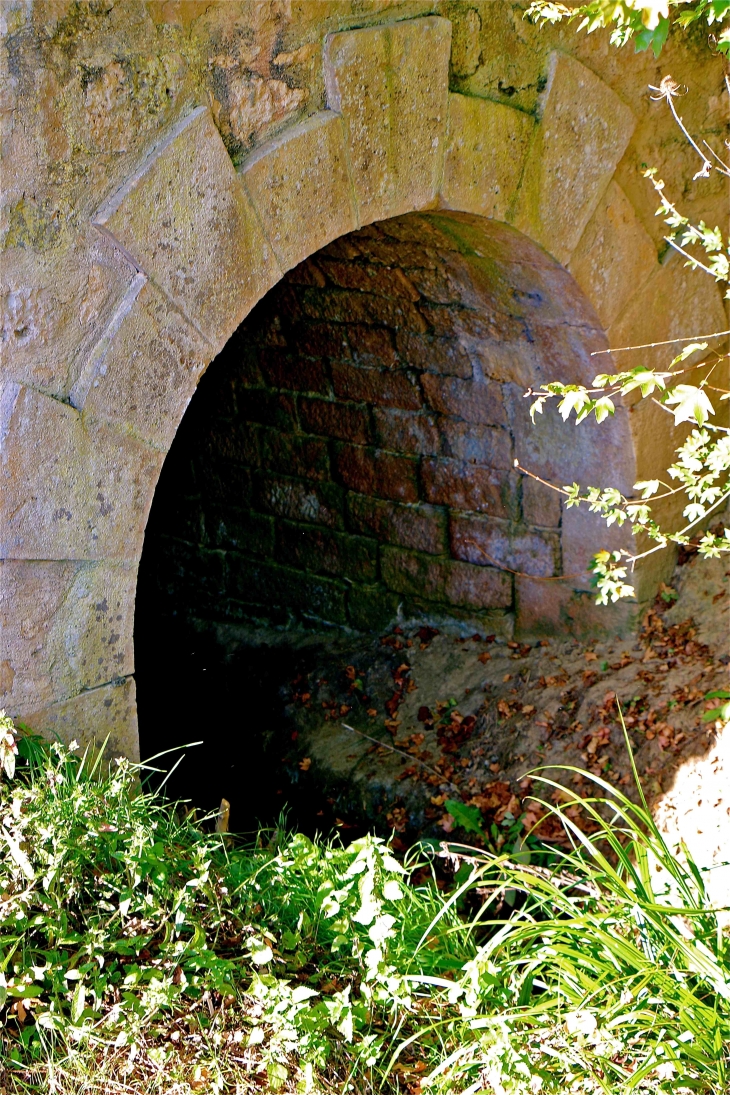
pixel 186 220
pixel 55 305
pixel 485 153
pixel 675 303
pixel 84 495
pixel 300 185
pixel 91 717
pixel 582 135
pixel 390 83
pixel 66 627
pixel 143 372
pixel 615 255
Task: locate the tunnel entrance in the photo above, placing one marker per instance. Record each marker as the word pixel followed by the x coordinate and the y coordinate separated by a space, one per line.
pixel 347 463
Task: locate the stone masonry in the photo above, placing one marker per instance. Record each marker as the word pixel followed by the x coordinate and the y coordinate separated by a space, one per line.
pixel 351 453
pixel 166 163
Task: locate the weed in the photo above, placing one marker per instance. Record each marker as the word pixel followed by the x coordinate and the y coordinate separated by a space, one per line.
pixel 140 953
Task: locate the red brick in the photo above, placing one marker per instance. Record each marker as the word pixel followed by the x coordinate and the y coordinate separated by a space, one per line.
pixel 479 402
pixel 382 280
pixel 318 503
pixel 437 285
pixel 371 607
pixel 321 340
pixel 323 551
pixel 490 542
pixel 389 253
pixel 375 386
pixel 237 441
pixel 294 455
pixel 240 530
pixel 467 487
pixel 540 505
pixel 268 408
pixel 306 273
pixel 345 248
pixel 271 585
pixel 554 608
pixel 372 345
pixel 345 421
pixel 284 369
pixel 489 445
pixel 434 579
pixel 343 306
pixel 243 368
pixel 402 431
pixel 436 355
pixel 422 528
pixel 422 229
pixel 371 471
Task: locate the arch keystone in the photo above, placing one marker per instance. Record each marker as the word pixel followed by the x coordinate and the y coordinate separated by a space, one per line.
pixel 184 218
pixel 390 83
pixel 300 185
pixel 582 135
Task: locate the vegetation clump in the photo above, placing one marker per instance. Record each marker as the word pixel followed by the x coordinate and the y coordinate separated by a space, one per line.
pixel 140 952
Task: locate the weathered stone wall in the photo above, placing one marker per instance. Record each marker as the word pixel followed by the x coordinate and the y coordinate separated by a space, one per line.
pixel 170 161
pixel 351 451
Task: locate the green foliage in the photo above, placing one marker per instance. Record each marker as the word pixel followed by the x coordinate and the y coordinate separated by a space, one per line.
pixel 603 970
pixel 646 22
pixel 703 460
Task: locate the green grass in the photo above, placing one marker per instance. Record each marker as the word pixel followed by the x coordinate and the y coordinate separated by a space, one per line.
pixel 140 953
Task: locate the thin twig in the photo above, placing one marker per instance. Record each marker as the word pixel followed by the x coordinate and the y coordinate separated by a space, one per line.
pixel 667 342
pixel 408 756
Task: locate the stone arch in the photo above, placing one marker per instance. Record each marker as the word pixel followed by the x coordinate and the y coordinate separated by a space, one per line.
pixel 196 243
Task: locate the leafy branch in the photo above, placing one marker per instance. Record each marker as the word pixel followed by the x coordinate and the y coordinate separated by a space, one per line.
pixel 700 471
pixel 647 22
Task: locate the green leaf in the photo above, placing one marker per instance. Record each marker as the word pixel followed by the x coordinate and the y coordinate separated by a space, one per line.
pixel 78 1002
pixel 692 404
pixel 465 817
pixel 603 408
pixel 688 351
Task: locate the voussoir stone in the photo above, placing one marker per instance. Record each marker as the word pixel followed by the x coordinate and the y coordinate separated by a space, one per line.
pixel 582 134
pixel 390 83
pixel 300 185
pixel 186 220
pixel 144 370
pixel 615 255
pixel 66 626
pixel 93 717
pixel 85 495
pixel 485 153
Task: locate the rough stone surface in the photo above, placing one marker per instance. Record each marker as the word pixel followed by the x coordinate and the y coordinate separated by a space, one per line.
pixel 184 217
pixel 390 84
pixel 90 496
pixel 615 256
pixel 55 306
pixel 81 328
pixel 304 168
pixel 583 132
pixel 485 155
pixel 65 627
pixel 91 717
pixel 458 583
pixel 143 372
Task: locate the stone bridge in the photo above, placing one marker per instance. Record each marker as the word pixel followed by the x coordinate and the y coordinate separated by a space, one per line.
pixel 444 206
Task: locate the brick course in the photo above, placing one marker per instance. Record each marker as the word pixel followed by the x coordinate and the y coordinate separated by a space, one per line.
pixel 355 453
pixel 422 528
